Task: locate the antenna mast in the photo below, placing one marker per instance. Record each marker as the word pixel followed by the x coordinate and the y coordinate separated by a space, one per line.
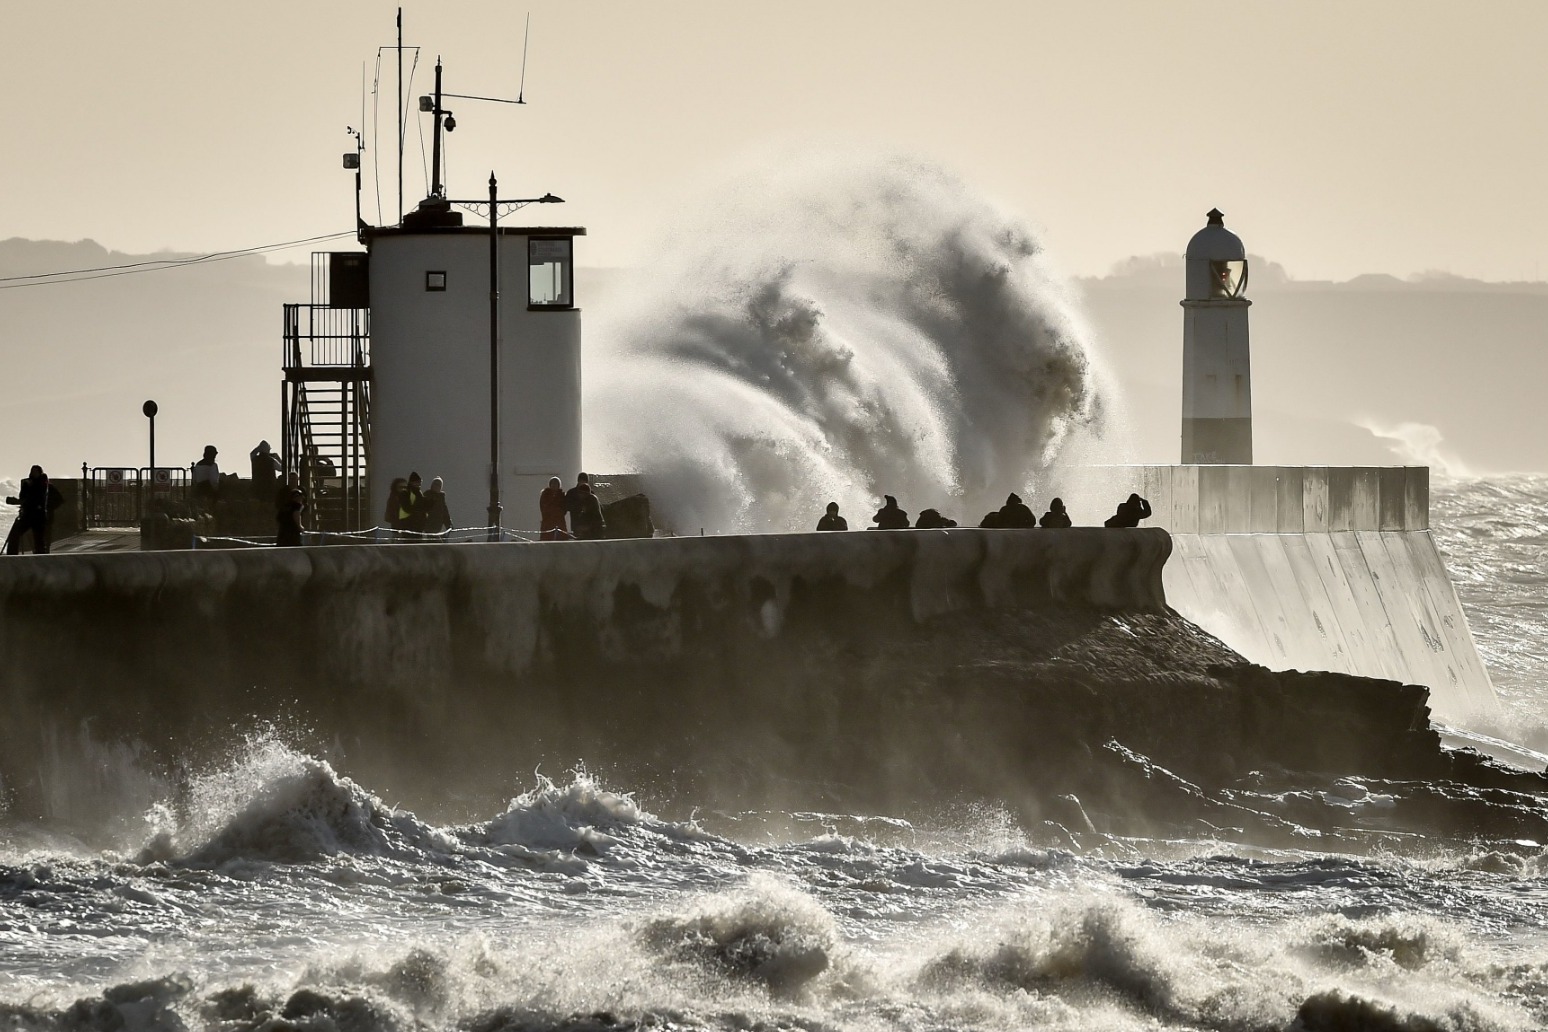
pixel 399 222
pixel 526 37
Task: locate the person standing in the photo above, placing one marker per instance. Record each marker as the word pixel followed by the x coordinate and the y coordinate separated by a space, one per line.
pixel 37 500
pixel 411 506
pixel 889 516
pixel 206 480
pixel 266 470
pixel 437 517
pixel 391 515
pixel 585 511
pixel 551 512
pixel 287 518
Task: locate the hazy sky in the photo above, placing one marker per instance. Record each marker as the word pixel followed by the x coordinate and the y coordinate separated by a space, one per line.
pixel 1340 138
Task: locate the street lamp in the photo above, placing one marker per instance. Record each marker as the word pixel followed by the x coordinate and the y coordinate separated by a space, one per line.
pixel 150 410
pixel 510 205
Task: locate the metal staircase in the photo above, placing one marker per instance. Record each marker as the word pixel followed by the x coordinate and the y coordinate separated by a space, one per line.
pixel 326 400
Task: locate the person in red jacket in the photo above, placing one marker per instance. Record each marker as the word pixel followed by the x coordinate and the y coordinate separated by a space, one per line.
pixel 551 507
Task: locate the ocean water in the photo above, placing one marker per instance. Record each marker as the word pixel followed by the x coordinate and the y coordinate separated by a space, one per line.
pixel 277 894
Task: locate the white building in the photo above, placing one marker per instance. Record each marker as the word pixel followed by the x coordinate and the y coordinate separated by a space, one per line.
pixel 430 364
pixel 1217 373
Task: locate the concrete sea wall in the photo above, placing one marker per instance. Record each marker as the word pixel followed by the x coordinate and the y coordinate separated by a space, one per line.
pixel 423 665
pixel 1306 567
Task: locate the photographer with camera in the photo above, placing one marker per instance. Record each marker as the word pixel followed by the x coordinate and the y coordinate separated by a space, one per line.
pixel 38 500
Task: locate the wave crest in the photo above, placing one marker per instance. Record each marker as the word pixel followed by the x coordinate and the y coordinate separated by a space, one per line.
pixel 837 327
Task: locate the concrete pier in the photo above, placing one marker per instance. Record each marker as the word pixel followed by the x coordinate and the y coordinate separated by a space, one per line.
pixel 414 664
pixel 1306 567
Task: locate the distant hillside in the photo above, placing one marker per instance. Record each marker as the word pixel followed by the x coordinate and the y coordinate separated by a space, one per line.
pixel 79 359
pixel 1453 368
pixel 1459 361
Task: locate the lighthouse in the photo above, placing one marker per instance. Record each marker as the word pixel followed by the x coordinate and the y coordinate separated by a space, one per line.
pixel 1217 373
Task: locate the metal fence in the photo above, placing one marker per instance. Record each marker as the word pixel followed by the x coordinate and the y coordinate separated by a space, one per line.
pixel 121 496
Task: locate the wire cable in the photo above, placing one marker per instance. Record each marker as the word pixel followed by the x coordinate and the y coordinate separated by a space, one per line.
pixel 44 279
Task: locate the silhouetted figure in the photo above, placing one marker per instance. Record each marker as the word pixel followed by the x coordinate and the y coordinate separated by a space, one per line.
pixel 1129 513
pixel 931 519
pixel 572 496
pixel 1015 514
pixel 437 517
pixel 585 512
pixel 37 500
pixel 287 519
pixel 551 511
pixel 831 520
pixel 992 521
pixel 282 492
pixel 393 515
pixel 206 479
pixel 1055 516
pixel 266 470
pixel 889 516
pixel 412 505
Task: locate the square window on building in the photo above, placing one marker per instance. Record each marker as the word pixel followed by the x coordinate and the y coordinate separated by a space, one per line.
pixel 549 273
pixel 435 280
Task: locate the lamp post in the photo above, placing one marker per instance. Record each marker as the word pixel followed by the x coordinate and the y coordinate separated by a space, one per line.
pixel 494 360
pixel 150 409
pixel 511 204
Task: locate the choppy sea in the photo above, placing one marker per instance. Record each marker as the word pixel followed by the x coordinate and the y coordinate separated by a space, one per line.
pixel 278 894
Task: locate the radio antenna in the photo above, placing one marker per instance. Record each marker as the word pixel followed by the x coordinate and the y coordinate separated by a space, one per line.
pixel 526 37
pixel 400 117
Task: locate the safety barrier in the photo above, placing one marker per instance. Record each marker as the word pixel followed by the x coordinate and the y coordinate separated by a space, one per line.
pixel 377 536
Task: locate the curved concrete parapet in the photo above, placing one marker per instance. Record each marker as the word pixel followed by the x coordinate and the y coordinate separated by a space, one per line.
pixel 113 666
pixel 1376 603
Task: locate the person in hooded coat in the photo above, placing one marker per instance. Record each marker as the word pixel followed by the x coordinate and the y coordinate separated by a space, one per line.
pixel 1056 516
pixel 1129 512
pixel 890 517
pixel 832 520
pixel 437 516
pixel 931 519
pixel 551 512
pixel 1015 514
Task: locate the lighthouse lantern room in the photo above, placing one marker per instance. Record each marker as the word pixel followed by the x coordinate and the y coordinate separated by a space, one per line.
pixel 1217 375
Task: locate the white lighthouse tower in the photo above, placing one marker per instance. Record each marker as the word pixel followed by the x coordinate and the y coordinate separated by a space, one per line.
pixel 1217 373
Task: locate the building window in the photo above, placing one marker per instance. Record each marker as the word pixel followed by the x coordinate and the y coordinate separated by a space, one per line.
pixel 549 271
pixel 435 280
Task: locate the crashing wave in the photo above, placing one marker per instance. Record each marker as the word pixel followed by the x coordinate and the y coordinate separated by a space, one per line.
pixel 838 328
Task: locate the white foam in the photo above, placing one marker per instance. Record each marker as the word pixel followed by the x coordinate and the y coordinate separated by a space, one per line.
pixel 838 326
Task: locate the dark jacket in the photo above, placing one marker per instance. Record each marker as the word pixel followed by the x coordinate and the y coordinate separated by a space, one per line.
pixel 931 519
pixel 1129 513
pixel 833 522
pixel 437 516
pixel 586 521
pixel 411 510
pixel 1055 518
pixel 890 517
pixel 287 531
pixel 38 498
pixel 1014 513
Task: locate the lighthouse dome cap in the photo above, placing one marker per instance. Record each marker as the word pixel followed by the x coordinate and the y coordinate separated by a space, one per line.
pixel 1215 243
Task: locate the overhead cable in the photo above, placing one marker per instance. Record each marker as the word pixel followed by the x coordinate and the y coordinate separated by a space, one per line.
pixel 43 279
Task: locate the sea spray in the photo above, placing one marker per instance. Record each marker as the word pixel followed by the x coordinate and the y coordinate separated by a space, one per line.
pixel 835 327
